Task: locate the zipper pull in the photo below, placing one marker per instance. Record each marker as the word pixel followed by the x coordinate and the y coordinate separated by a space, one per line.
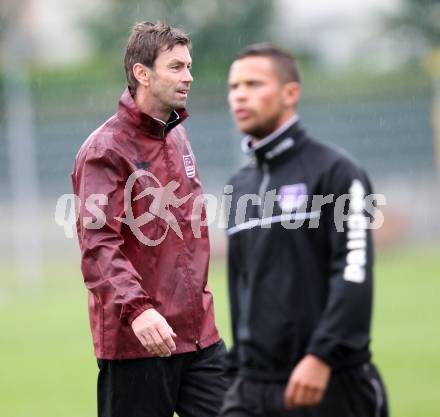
pixel 263 187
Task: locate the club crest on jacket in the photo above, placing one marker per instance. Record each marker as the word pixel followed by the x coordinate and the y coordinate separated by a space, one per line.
pixel 190 166
pixel 291 197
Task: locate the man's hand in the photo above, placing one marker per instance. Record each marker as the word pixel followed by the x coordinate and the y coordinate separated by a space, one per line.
pixel 155 334
pixel 307 382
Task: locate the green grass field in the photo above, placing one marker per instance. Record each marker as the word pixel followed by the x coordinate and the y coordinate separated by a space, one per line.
pixel 47 366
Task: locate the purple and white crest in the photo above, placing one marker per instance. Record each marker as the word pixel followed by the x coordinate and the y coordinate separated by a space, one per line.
pixel 190 167
pixel 291 197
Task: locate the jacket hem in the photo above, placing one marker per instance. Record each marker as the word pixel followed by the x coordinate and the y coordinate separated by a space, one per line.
pixel 283 376
pixel 182 347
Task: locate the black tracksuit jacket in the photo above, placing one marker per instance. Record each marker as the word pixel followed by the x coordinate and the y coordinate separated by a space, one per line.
pixel 303 287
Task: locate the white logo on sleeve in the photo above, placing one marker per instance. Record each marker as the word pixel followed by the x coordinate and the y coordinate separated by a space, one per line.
pixel 357 235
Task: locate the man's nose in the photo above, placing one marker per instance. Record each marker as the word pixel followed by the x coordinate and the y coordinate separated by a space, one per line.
pixel 187 77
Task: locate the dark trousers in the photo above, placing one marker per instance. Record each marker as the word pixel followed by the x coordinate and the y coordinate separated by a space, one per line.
pixel 190 384
pixel 357 392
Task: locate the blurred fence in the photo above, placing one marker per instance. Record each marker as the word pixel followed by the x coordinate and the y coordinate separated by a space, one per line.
pixel 391 137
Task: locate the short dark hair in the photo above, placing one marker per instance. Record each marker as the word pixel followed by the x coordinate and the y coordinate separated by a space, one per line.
pixel 284 62
pixel 146 41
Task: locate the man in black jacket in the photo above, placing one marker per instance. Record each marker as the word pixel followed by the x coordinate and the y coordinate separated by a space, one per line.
pixel 300 259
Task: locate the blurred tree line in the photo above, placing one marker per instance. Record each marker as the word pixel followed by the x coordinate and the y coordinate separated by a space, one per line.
pixel 423 17
pixel 218 29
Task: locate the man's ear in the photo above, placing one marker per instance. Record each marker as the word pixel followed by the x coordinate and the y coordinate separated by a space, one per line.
pixel 291 94
pixel 142 74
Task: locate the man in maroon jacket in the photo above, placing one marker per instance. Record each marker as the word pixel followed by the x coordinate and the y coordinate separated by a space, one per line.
pixel 145 251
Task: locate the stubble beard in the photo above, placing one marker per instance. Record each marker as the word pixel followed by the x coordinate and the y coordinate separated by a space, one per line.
pixel 260 131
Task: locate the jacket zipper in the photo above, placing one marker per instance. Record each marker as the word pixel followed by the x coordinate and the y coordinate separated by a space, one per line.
pixel 186 278
pixel 263 187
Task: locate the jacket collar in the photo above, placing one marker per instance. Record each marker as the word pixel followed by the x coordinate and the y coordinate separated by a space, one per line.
pixel 155 128
pixel 278 143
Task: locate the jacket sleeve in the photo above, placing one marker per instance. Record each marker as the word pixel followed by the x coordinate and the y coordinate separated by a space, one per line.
pixel 107 271
pixel 344 325
pixel 235 277
pixel 234 310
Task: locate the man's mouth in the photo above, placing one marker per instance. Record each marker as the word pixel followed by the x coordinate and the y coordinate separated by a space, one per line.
pixel 183 93
pixel 242 114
